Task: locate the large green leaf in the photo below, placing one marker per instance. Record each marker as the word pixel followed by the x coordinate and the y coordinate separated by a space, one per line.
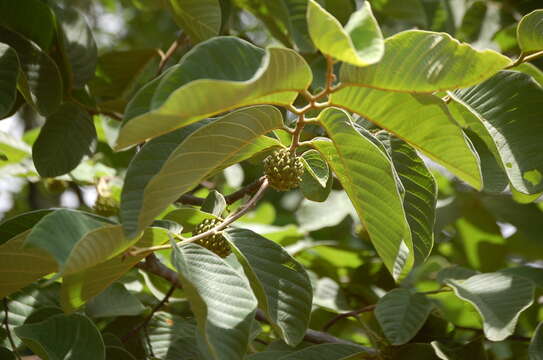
pixel 20 223
pixel 75 239
pixel 220 74
pixel 360 43
pixel 40 81
pixel 201 19
pixel 20 266
pixel 530 32
pixel 78 46
pixel 420 196
pixel 499 298
pixel 436 135
pixel 67 136
pixel 171 338
pixel 536 346
pixel 9 75
pixel 64 337
pixel 230 139
pixel 507 108
pixel 13 150
pixel 317 179
pixel 401 314
pixel 78 287
pixel 221 300
pixel 31 18
pixel 369 179
pixel 297 10
pixel 326 352
pixel 411 11
pixel 279 282
pixel 114 301
pixel 418 61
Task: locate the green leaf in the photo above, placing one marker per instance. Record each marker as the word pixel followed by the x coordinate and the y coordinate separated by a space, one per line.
pixel 64 337
pixel 78 287
pixel 529 32
pixel 13 149
pixel 535 349
pixel 221 300
pixel 531 70
pixel 214 204
pixel 298 25
pixel 40 81
pixel 359 43
pixel 114 301
pixel 9 75
pixel 20 266
pixel 76 240
pixel 368 177
pixel 280 283
pixel 228 140
pixel 78 46
pixel 329 295
pixel 418 61
pixel 31 18
pixel 325 352
pixel 420 196
pixel 118 353
pixel 317 179
pixel 472 22
pixel 506 109
pixel 20 223
pixel 200 19
pixel 411 11
pixel 187 217
pixel 437 135
pixel 401 314
pixel 472 350
pixel 220 74
pixel 171 337
pixel 528 272
pixel 67 136
pixel 5 354
pixel 499 298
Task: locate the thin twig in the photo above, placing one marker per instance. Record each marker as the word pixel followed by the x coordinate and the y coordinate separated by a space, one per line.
pixel 171 50
pixel 223 225
pixel 230 199
pixel 353 313
pixel 524 58
pixel 8 331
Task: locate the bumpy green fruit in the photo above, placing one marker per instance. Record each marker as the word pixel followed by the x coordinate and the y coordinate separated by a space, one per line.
pixel 283 169
pixel 55 186
pixel 106 206
pixel 216 243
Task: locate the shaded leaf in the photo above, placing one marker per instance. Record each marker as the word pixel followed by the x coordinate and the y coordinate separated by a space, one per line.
pixel 506 108
pixel 279 282
pixel 67 136
pixel 418 61
pixel 499 298
pixel 536 345
pixel 529 32
pixel 233 138
pixel 9 75
pixel 187 217
pixel 324 352
pixel 39 82
pixel 437 135
pixel 171 338
pixel 317 179
pixel 220 74
pixel 221 300
pixel 359 43
pixel 368 177
pixel 114 301
pixel 64 337
pixel 201 19
pixel 401 314
pixel 214 204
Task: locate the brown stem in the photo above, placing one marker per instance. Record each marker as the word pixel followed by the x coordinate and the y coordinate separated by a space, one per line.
pixel 353 313
pixel 171 50
pixel 8 331
pixel 230 199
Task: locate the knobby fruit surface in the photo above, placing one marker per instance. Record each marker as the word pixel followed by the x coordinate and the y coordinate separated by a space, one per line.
pixel 283 169
pixel 215 243
pixel 106 206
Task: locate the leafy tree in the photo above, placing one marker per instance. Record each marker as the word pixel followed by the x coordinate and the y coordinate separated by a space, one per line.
pixel 259 179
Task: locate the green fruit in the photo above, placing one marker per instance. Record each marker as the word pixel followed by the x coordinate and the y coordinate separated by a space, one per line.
pixel 106 206
pixel 216 243
pixel 55 186
pixel 283 169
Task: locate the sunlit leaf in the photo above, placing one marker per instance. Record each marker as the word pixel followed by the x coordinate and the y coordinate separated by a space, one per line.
pixel 359 43
pixel 221 299
pixel 317 179
pixel 529 32
pixel 220 74
pixel 418 61
pixel 279 282
pixel 233 138
pixel 13 149
pixel 368 177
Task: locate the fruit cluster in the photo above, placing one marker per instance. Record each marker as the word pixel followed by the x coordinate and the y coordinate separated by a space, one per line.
pixel 283 169
pixel 216 243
